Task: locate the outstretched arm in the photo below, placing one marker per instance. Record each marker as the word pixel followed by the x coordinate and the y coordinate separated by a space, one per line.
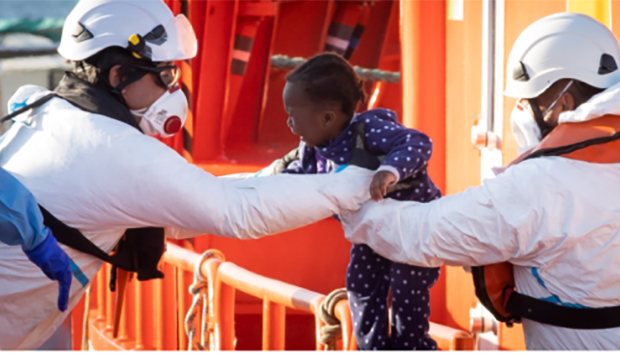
pixel 161 189
pixel 502 220
pixel 21 222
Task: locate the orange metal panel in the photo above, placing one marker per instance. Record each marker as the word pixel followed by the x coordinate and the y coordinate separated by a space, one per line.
pixel 382 94
pixel 615 17
pixel 246 115
pixel 300 32
pixel 423 75
pixel 373 43
pixel 379 47
pixel 245 33
pixel 423 51
pixel 460 297
pixel 341 28
pixel 463 90
pixel 215 68
pixel 262 8
pixel 511 338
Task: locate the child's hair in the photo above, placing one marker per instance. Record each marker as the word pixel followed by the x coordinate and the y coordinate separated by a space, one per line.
pixel 329 77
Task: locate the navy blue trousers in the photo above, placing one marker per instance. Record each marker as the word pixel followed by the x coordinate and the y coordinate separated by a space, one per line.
pixel 369 279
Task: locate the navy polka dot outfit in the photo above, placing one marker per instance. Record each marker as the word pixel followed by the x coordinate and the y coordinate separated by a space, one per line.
pixel 370 277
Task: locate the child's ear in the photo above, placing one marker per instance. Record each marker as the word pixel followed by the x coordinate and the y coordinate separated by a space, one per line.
pixel 329 118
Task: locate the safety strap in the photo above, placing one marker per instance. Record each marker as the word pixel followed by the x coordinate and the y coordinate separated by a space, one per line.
pixel 38 103
pixel 563 316
pixel 362 158
pixel 544 127
pixel 73 238
pixel 564 150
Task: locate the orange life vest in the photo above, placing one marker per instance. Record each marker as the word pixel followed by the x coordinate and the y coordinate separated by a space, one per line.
pixel 595 141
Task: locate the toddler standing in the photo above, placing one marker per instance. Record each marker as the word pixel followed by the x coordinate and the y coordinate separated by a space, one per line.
pixel 320 98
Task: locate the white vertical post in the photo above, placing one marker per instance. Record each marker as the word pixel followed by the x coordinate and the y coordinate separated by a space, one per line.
pixel 491 114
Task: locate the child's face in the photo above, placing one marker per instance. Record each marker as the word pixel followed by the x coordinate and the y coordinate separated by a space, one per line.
pixel 312 121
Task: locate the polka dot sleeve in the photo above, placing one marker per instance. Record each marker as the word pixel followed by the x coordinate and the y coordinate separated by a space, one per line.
pixel 406 150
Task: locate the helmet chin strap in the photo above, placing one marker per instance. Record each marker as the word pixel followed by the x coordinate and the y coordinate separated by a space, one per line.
pixel 117 91
pixel 545 128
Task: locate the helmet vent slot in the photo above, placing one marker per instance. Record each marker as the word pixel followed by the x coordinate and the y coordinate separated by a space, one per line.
pixel 81 34
pixel 520 73
pixel 607 64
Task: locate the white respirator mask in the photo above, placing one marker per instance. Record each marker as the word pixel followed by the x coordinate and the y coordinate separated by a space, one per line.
pixel 524 128
pixel 166 116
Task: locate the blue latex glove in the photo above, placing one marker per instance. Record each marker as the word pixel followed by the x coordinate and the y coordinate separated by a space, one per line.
pixel 55 263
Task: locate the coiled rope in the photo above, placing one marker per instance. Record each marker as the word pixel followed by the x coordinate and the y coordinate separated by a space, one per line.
pixel 286 63
pixel 199 291
pixel 331 332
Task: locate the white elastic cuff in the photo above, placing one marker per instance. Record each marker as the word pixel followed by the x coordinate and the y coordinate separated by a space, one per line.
pixel 390 169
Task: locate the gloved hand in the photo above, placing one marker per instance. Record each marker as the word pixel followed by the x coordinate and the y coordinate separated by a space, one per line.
pixel 54 262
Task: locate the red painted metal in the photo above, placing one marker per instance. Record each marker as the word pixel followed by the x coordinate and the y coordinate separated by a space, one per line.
pixel 212 93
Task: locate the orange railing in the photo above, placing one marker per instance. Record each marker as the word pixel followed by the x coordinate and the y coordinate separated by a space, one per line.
pixel 154 312
pixel 276 296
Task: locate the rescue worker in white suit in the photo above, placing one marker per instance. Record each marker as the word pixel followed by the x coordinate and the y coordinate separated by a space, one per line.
pixel 554 214
pixel 82 153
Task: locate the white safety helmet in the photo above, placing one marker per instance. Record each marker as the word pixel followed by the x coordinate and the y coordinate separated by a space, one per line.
pixel 147 28
pixel 562 46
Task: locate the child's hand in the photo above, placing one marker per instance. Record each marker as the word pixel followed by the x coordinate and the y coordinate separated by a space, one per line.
pixel 379 184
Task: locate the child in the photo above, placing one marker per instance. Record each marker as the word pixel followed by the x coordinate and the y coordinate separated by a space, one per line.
pixel 320 98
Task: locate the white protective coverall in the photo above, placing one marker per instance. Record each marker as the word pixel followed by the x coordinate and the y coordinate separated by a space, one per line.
pixel 557 217
pixel 102 176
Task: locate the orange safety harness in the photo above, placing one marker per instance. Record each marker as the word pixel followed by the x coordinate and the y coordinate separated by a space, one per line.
pixel 595 141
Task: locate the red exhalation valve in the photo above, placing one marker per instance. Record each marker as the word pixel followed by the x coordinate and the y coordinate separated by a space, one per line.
pixel 173 125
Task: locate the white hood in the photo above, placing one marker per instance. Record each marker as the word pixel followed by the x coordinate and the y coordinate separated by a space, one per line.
pixel 606 102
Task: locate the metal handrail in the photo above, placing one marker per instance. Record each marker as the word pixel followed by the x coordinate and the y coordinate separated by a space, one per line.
pixel 141 328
